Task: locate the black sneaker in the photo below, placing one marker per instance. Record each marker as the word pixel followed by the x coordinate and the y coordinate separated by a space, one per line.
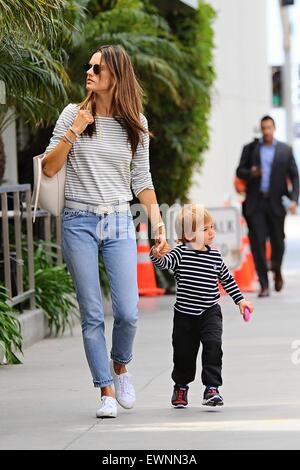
pixel 179 397
pixel 212 397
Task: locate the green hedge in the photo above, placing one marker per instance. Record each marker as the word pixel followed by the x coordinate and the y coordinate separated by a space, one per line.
pixel 182 129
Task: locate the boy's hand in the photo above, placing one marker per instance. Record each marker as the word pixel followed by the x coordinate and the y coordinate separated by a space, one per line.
pixel 245 303
pixel 160 253
pixel 161 245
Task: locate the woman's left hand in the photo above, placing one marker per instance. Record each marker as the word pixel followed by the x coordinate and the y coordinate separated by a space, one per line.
pixel 161 245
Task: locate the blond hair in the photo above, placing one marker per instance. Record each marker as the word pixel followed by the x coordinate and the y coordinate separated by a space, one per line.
pixel 189 220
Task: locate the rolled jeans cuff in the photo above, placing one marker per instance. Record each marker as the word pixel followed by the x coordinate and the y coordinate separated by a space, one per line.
pixel 120 361
pixel 107 383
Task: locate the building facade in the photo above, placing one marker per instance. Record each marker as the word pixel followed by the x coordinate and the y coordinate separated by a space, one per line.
pixel 241 94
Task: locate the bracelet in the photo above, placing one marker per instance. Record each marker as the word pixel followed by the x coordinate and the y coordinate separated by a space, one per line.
pixel 64 139
pixel 74 132
pixel 160 224
pixel 69 140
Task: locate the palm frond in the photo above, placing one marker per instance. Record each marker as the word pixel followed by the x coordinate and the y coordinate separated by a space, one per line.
pixel 35 17
pixel 35 82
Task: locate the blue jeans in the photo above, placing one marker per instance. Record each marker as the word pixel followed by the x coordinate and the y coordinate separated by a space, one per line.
pixel 84 234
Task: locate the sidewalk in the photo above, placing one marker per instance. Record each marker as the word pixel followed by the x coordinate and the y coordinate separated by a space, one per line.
pixel 49 402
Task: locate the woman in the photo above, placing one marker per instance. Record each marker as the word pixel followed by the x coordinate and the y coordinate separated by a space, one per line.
pixel 105 140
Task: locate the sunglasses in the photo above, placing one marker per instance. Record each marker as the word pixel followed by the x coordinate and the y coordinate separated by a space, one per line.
pixel 96 68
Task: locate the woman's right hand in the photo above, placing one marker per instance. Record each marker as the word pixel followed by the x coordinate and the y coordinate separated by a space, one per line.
pixel 82 120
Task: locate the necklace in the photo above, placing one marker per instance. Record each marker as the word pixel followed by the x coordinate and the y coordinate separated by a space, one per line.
pixel 100 130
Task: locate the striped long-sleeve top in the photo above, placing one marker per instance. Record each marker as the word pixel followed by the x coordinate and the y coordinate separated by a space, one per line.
pixel 100 169
pixel 197 274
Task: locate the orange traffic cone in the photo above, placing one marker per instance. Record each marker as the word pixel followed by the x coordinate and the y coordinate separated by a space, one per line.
pixel 221 289
pixel 268 252
pixel 145 269
pixel 245 248
pixel 250 258
pixel 245 275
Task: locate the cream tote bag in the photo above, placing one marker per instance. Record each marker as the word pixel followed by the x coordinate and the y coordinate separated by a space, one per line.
pixel 48 192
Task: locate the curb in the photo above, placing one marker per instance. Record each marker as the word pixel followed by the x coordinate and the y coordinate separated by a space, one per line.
pixel 34 324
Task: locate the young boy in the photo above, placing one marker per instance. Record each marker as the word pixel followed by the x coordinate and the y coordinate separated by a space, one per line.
pixel 197 315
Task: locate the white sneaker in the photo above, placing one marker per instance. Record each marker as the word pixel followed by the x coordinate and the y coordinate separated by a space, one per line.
pixel 108 408
pixel 124 389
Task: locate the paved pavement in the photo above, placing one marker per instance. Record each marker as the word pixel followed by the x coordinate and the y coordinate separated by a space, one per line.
pixel 49 402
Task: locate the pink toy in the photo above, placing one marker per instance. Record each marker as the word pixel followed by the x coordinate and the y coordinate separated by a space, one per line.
pixel 247 314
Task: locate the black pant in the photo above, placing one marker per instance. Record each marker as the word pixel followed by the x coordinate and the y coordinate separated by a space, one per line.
pixel 188 332
pixel 263 223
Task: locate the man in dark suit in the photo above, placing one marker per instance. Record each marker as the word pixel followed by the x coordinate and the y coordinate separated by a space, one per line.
pixel 270 170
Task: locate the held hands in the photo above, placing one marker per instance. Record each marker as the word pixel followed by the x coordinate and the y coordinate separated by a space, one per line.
pixel 161 247
pixel 82 120
pixel 162 252
pixel 245 303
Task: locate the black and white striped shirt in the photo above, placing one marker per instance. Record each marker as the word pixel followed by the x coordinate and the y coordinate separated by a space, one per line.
pixel 100 169
pixel 197 274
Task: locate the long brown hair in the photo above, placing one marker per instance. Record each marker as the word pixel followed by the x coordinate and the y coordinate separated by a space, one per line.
pixel 127 97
